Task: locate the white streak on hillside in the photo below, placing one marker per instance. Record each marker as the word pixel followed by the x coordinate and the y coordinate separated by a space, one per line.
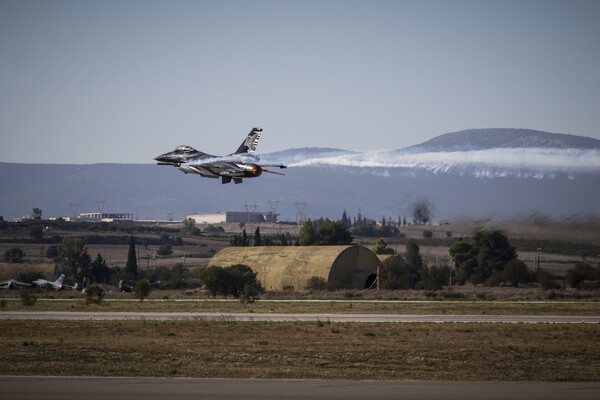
pixel 516 162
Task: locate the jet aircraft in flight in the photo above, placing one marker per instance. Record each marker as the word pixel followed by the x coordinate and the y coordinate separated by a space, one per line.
pixel 236 166
pixel 56 285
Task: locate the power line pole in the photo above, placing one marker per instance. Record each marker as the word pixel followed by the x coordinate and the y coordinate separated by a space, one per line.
pixel 100 204
pixel 74 209
pixel 300 206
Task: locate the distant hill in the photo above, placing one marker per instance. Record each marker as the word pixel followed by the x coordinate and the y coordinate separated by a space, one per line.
pixel 494 138
pixel 542 178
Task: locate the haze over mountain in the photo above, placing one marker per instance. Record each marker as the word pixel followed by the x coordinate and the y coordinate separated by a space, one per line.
pixel 473 180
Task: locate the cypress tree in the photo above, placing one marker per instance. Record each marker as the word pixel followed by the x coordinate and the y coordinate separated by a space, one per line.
pixel 257 238
pixel 131 266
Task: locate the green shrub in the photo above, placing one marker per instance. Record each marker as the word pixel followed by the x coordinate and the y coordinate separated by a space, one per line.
pixel 94 295
pixel 165 250
pixel 141 290
pixel 546 280
pixel 27 298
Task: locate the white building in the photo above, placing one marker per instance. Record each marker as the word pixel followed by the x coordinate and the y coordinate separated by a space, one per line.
pixel 105 217
pixel 233 216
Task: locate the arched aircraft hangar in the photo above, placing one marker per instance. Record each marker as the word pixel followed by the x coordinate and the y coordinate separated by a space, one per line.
pixel 291 267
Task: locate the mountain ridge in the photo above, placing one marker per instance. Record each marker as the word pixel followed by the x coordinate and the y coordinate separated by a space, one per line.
pixel 490 138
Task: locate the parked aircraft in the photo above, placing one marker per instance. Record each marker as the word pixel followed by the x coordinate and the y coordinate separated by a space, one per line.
pixel 56 285
pixel 236 166
pixel 13 284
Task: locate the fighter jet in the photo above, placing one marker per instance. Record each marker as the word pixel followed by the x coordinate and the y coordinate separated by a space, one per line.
pixel 13 284
pixel 56 285
pixel 236 166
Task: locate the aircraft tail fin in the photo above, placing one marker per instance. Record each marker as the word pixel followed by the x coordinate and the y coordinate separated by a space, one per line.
pixel 251 142
pixel 60 279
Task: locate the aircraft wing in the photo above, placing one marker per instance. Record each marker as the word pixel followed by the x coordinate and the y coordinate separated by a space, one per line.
pixel 13 284
pixel 70 287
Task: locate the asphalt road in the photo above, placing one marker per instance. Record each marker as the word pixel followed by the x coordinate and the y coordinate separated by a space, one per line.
pixel 272 317
pixel 90 388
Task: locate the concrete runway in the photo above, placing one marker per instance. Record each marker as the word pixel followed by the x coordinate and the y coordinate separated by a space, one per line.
pixel 90 388
pixel 272 317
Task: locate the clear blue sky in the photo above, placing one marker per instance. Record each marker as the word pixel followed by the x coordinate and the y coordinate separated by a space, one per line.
pixel 122 81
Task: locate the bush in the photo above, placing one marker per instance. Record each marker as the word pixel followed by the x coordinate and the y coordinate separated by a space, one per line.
pixel 237 280
pixel 214 229
pixel 13 255
pixel 240 278
pixel 94 295
pixel 316 283
pixel 27 298
pixel 250 293
pixel 141 290
pixel 515 271
pixel 427 234
pixel 580 273
pixel 52 252
pixel 395 274
pixel 495 279
pixel 381 247
pixel 434 278
pixel 165 250
pixel 546 280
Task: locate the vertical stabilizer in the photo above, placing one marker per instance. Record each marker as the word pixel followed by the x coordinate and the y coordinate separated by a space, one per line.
pixel 250 143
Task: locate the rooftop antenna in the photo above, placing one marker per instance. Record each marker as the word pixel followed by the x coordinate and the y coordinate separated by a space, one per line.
pixel 74 209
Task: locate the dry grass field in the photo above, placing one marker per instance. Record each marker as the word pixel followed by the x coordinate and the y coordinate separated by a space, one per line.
pixel 302 350
pixel 414 307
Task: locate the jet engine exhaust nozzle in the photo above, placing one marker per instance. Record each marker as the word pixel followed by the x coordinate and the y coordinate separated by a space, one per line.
pixel 255 170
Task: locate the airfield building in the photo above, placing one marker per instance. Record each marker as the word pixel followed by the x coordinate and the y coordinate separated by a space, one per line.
pixel 291 267
pixel 106 217
pixel 234 216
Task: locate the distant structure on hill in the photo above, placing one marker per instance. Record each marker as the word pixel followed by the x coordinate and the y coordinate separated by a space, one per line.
pixel 234 216
pixel 106 217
